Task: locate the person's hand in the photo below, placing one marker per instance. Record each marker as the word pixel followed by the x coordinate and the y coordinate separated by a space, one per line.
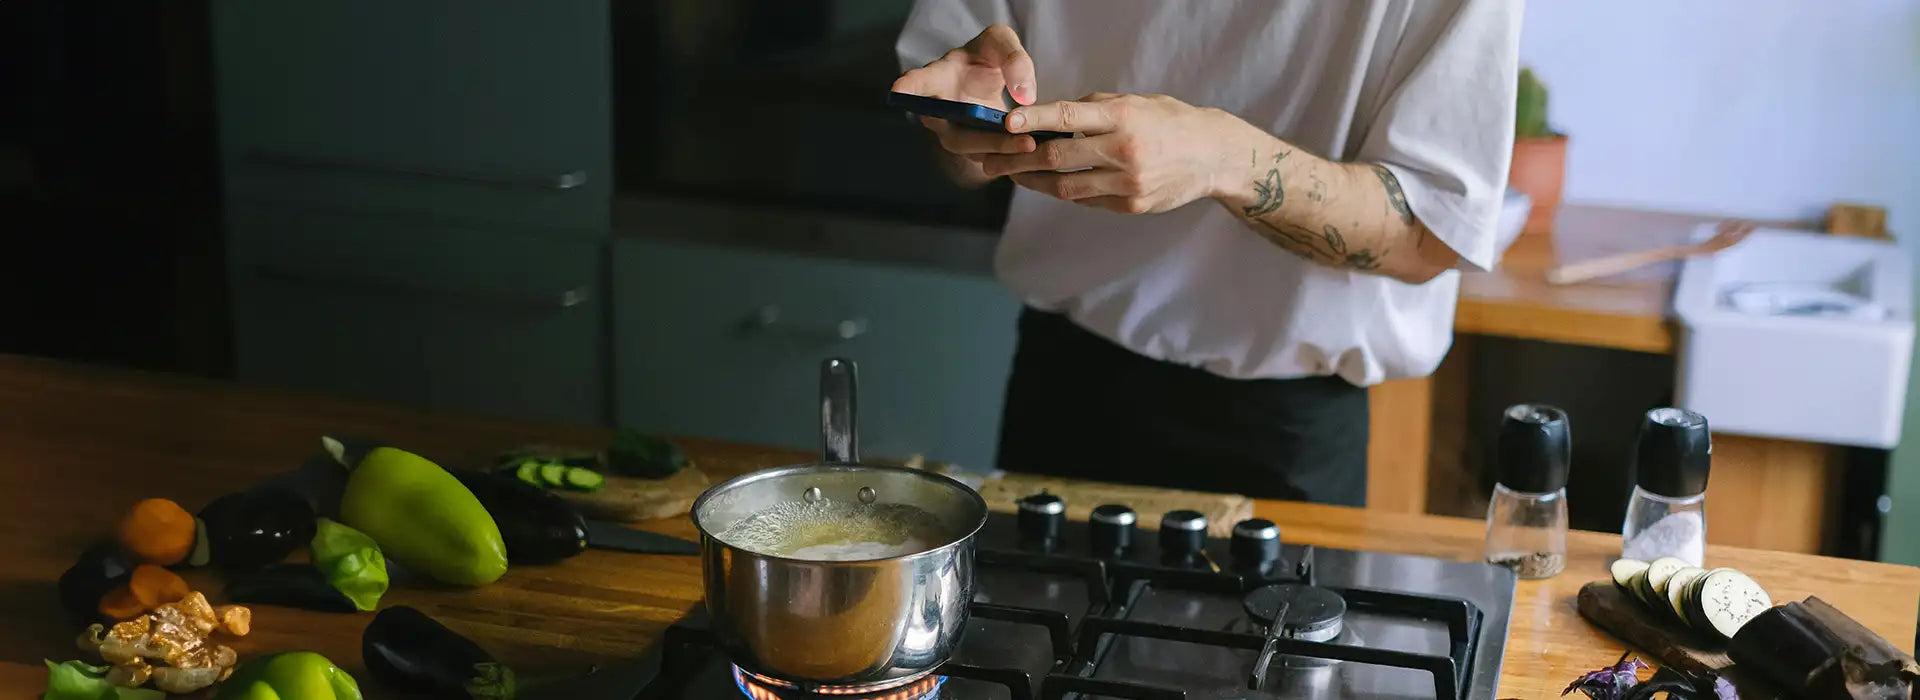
pixel 978 72
pixel 1138 154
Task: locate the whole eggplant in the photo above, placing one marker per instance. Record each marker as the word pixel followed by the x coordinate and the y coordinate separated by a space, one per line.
pixel 251 529
pixel 537 526
pixel 414 653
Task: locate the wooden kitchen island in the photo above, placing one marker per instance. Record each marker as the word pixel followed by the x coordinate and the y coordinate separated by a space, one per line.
pixel 78 445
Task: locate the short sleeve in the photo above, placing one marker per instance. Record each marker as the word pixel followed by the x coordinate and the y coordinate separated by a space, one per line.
pixel 937 26
pixel 1446 131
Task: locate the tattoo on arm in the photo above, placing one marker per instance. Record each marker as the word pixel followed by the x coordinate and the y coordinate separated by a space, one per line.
pixel 1268 191
pixel 1328 246
pixel 1396 198
pixel 1318 190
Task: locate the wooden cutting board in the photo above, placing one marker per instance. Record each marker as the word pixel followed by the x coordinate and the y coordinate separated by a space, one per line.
pixel 627 499
pixel 1610 609
pixel 1222 510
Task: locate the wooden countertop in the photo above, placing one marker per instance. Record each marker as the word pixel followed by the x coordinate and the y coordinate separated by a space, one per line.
pixel 1627 312
pixel 79 444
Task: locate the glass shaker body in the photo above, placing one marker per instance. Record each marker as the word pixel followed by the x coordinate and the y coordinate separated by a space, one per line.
pixel 1667 516
pixel 1663 526
pixel 1527 532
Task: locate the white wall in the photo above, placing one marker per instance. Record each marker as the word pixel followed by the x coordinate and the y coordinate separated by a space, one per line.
pixel 1758 108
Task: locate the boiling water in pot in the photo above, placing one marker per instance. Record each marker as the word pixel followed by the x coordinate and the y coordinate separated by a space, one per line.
pixel 828 530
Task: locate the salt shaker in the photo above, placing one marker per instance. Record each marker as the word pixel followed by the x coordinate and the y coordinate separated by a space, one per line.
pixel 1527 516
pixel 1667 515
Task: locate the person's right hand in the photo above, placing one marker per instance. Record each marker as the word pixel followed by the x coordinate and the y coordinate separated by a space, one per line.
pixel 978 72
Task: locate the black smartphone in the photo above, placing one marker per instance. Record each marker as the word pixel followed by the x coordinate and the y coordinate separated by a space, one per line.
pixel 965 114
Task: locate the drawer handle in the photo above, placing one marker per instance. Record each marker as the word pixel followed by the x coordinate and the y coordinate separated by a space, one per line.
pixel 562 301
pixel 767 319
pixel 564 181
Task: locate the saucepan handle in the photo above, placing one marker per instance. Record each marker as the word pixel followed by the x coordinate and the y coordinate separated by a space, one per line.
pixel 838 410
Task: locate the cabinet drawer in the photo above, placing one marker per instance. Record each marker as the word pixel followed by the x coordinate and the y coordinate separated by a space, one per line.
pixel 439 318
pixel 727 343
pixel 471 112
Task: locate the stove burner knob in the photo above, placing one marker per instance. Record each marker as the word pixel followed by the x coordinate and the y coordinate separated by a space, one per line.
pixel 1255 545
pixel 1110 530
pixel 1040 518
pixel 1183 536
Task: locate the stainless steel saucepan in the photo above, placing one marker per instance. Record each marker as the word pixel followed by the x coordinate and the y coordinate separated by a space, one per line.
pixel 839 625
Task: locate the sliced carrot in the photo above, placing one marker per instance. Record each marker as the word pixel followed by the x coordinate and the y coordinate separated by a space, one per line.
pixel 120 604
pixel 153 585
pixel 159 531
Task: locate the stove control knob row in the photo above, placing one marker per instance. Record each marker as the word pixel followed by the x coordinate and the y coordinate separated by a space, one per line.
pixel 1040 517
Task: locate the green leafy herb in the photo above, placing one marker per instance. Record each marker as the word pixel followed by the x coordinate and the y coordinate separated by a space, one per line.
pixel 75 680
pixel 352 562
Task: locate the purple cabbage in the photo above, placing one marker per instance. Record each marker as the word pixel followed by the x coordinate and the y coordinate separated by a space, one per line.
pixel 1610 683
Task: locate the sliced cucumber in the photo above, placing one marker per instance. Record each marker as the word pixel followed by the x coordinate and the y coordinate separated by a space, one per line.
pixel 1624 569
pixel 1728 599
pixel 529 473
pixel 1659 571
pixel 553 475
pixel 1677 592
pixel 582 479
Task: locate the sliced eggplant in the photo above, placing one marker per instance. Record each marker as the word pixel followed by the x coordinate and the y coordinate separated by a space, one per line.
pixel 1624 569
pixel 1659 571
pixel 1677 592
pixel 1728 599
pixel 1695 615
pixel 1637 587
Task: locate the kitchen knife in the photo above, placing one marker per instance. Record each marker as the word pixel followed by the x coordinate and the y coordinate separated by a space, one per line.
pixel 620 538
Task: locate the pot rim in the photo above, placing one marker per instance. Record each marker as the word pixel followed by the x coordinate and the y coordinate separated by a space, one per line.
pixel 774 472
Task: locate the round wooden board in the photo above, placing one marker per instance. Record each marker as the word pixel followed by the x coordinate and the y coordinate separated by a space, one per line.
pixel 629 499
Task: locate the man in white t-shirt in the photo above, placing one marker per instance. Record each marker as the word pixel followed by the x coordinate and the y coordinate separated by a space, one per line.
pixel 1261 217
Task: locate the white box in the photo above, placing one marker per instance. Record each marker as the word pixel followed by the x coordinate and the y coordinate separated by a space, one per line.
pixel 1838 379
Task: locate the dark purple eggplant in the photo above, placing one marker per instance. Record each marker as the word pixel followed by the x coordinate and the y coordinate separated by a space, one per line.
pixel 537 526
pixel 251 529
pixel 292 585
pixel 413 653
pixel 101 568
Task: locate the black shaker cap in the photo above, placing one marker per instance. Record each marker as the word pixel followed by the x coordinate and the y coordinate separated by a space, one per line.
pixel 1534 448
pixel 1673 454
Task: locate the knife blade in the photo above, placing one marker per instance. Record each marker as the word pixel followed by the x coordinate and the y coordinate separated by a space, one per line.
pixel 620 538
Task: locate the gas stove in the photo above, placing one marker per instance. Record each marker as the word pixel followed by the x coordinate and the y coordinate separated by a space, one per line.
pixel 1099 609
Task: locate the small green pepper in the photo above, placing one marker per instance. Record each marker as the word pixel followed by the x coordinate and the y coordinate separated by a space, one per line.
pixel 292 675
pixel 352 562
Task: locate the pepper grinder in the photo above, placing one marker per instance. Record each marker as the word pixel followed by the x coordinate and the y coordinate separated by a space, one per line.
pixel 1527 515
pixel 1667 515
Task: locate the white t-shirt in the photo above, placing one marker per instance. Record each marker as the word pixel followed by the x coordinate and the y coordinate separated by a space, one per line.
pixel 1425 87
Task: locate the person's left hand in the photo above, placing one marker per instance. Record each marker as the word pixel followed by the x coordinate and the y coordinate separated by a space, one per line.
pixel 1137 154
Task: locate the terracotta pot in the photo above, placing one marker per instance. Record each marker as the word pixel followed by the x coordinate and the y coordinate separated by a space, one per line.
pixel 1539 168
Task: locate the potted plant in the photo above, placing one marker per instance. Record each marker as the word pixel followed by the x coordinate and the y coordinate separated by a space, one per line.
pixel 1539 154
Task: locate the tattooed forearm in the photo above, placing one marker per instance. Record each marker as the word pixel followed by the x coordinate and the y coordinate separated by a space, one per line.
pixel 1352 216
pixel 1396 198
pixel 1268 192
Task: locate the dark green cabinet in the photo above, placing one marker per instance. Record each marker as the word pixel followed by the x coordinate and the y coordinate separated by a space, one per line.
pixel 443 318
pixel 479 112
pixel 726 343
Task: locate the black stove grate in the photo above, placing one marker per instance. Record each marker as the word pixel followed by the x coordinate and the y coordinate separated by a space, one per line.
pixel 1117 609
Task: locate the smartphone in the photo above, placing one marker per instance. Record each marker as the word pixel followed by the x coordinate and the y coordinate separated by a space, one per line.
pixel 965 114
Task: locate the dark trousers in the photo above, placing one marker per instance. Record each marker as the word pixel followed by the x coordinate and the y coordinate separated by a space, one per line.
pixel 1080 406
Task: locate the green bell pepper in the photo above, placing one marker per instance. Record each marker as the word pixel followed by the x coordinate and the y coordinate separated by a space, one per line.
pixel 292 675
pixel 421 515
pixel 352 562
